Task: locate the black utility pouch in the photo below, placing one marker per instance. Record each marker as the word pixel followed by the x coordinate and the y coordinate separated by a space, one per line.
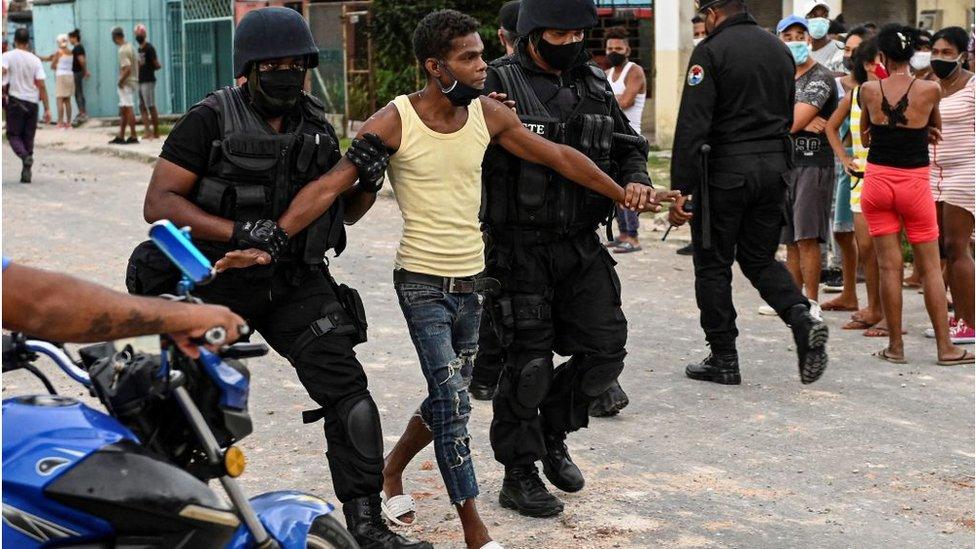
pixel 353 304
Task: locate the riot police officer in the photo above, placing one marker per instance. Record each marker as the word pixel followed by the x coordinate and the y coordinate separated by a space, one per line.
pixel 560 291
pixel 731 150
pixel 229 168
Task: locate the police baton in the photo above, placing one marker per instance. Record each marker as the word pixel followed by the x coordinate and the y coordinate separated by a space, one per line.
pixel 687 207
pixel 705 209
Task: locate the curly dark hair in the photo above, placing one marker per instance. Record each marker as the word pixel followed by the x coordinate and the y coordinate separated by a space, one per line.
pixel 865 52
pixel 433 35
pixel 618 33
pixel 897 42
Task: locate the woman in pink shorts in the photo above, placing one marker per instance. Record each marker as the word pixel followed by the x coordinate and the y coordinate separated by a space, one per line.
pixel 899 115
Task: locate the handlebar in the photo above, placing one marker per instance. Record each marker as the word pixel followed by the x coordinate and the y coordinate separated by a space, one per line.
pixel 59 357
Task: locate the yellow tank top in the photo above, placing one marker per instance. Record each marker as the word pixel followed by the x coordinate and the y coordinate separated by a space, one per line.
pixel 859 150
pixel 436 179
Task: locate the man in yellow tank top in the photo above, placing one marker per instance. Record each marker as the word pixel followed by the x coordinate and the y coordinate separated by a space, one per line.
pixel 438 136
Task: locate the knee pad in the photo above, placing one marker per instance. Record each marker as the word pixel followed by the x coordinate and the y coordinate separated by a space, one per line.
pixel 361 421
pixel 532 383
pixel 596 376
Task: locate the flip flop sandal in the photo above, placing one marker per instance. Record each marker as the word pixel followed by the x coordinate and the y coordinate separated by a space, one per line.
pixel 492 545
pixel 828 307
pixel 880 332
pixel 613 243
pixel 910 285
pixel 883 355
pixel 626 248
pixel 857 325
pixel 966 358
pixel 397 506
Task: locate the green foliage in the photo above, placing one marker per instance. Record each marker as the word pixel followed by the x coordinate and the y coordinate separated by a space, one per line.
pixel 396 69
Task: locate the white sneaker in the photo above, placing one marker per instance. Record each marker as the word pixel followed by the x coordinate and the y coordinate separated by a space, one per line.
pixel 930 333
pixel 815 310
pixel 766 310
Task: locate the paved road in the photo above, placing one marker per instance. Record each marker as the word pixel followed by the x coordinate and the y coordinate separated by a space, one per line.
pixel 873 455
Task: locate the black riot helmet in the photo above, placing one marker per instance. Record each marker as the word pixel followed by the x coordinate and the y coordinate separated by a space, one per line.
pixel 270 33
pixel 555 14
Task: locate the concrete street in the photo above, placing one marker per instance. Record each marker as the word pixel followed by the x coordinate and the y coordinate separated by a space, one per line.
pixel 872 455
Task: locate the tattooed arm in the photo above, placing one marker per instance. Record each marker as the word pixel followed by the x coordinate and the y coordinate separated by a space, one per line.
pixel 62 308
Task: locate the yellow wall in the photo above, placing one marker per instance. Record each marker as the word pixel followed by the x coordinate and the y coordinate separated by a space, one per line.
pixel 953 11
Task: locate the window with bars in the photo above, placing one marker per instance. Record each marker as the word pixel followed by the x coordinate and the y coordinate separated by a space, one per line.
pixel 195 10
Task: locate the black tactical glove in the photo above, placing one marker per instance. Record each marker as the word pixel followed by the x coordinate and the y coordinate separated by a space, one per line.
pixel 262 234
pixel 371 157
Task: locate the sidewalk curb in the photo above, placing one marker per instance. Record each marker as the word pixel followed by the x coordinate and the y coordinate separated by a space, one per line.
pixel 107 150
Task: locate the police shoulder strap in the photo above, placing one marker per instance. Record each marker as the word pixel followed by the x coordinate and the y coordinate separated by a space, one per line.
pixel 518 88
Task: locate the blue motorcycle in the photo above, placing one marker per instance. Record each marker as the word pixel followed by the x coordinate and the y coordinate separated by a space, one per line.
pixel 137 477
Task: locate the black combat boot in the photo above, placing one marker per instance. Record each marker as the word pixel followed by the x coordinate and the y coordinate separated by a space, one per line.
pixel 481 390
pixel 558 465
pixel 610 402
pixel 523 491
pixel 364 520
pixel 25 173
pixel 719 368
pixel 810 336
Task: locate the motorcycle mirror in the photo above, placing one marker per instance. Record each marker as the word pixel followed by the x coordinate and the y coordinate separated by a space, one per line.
pixel 178 247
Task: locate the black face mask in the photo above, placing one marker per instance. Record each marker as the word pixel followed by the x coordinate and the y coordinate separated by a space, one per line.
pixel 559 57
pixel 458 93
pixel 943 68
pixel 849 64
pixel 140 39
pixel 274 93
pixel 616 59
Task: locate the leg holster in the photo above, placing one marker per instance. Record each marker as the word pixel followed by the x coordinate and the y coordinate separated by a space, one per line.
pixel 335 321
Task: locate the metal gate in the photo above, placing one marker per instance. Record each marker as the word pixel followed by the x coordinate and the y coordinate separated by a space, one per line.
pixel 207 47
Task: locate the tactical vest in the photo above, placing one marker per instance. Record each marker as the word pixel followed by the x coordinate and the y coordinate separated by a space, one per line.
pixel 254 173
pixel 521 194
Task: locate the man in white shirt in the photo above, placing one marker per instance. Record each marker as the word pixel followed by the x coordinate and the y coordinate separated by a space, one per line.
pixel 824 50
pixel 23 77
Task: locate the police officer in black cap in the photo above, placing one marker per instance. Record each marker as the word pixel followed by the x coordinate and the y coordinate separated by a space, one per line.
pixel 731 151
pixel 560 291
pixel 230 168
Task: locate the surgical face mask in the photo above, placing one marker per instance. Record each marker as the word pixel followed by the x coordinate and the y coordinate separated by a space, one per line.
pixel 818 27
pixel 697 41
pixel 943 68
pixel 920 61
pixel 616 58
pixel 800 51
pixel 458 93
pixel 559 57
pixel 274 93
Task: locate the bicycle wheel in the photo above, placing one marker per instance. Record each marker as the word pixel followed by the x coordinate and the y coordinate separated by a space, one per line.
pixel 327 533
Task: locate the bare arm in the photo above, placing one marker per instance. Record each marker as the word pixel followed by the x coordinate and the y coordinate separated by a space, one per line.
pixel 166 198
pixel 633 85
pixel 62 308
pixel 83 63
pixel 318 196
pixel 42 90
pixel 833 128
pixel 803 115
pixel 124 74
pixel 507 131
pixel 358 202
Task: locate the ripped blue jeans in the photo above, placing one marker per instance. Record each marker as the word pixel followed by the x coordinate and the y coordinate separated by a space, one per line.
pixel 444 329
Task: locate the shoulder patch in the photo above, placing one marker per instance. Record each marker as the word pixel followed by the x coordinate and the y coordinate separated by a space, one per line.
pixel 695 75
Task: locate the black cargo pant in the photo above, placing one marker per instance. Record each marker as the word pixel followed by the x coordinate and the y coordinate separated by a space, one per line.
pixel 491 355
pixel 565 297
pixel 747 194
pixel 281 304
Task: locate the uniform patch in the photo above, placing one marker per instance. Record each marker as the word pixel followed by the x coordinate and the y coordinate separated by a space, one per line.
pixel 695 75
